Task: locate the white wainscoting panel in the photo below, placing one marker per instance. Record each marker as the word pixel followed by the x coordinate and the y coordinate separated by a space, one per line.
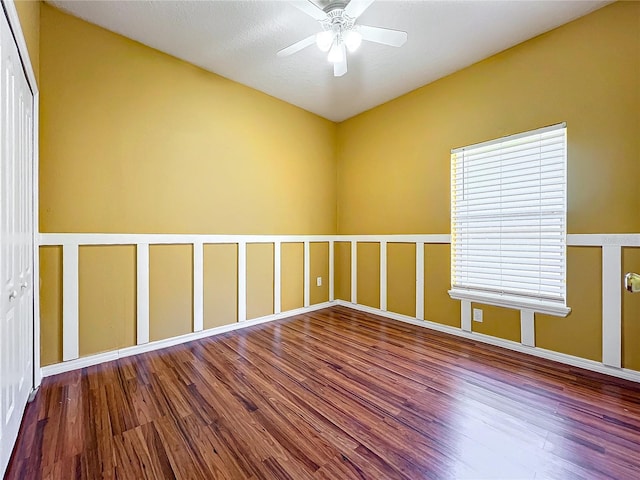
pixel 277 277
pixel 198 286
pixel 420 280
pixel 527 328
pixel 307 272
pixel 242 281
pixel 383 275
pixel 70 310
pixel 612 305
pixel 465 315
pixel 332 268
pixel 142 282
pixel 354 271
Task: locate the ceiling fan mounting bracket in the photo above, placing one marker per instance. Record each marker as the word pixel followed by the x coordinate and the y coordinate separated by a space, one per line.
pixel 338 21
pixel 335 6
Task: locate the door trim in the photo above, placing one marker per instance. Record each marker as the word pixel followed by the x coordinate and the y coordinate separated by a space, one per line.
pixel 14 23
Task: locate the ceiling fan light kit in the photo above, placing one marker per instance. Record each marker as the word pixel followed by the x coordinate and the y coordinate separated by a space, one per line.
pixel 336 54
pixel 324 40
pixel 340 32
pixel 352 39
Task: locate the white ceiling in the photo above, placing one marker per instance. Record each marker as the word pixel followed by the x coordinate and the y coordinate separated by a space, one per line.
pixel 239 40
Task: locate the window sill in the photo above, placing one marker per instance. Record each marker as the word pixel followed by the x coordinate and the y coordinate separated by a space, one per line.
pixel 509 301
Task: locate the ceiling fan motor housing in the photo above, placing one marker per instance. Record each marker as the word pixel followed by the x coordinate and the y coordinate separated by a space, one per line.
pixel 337 21
pixel 335 6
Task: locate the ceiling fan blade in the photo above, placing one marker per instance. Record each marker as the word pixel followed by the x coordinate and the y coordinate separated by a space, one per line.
pixel 296 47
pixel 340 68
pixel 310 9
pixel 386 36
pixel 355 8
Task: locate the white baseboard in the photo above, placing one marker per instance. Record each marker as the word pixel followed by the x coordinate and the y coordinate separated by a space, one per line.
pixel 169 342
pixel 574 361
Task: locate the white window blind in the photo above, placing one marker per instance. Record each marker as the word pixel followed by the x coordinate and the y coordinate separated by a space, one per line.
pixel 508 218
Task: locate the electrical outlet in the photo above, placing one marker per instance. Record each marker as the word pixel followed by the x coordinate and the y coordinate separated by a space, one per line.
pixel 477 315
pixel 319 282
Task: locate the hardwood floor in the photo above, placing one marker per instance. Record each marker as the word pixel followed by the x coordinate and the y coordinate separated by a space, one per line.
pixel 334 394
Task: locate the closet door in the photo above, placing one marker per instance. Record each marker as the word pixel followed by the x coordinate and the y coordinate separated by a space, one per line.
pixel 16 242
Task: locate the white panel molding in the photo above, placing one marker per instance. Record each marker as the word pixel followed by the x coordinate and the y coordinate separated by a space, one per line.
pixel 331 271
pixel 426 238
pixel 81 362
pixel 277 277
pixel 611 245
pixel 37 372
pixel 602 239
pixel 198 286
pixel 612 305
pixel 420 280
pixel 70 320
pixel 307 272
pixel 183 239
pixel 573 240
pixel 383 275
pixel 571 360
pixel 157 345
pixel 242 281
pixel 465 315
pixel 37 376
pixel 527 328
pixel 354 271
pixel 169 239
pixel 142 298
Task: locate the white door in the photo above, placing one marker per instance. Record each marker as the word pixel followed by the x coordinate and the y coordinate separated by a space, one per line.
pixel 16 242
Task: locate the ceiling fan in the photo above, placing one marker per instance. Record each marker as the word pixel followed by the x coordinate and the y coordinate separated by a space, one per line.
pixel 341 33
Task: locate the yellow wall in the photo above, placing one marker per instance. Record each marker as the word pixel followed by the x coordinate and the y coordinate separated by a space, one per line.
pixel 319 267
pixel 580 333
pixel 393 161
pixel 342 270
pixel 438 307
pixel 259 280
pixel 401 278
pixel 368 280
pixel 50 305
pixel 220 285
pixel 107 308
pixel 498 322
pixel 170 291
pixel 29 14
pixel 292 276
pixel 152 144
pixel 630 313
pixel 133 140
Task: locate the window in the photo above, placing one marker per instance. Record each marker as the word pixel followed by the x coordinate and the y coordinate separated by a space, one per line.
pixel 508 221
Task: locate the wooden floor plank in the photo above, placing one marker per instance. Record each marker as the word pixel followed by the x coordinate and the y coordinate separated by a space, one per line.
pixel 332 394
